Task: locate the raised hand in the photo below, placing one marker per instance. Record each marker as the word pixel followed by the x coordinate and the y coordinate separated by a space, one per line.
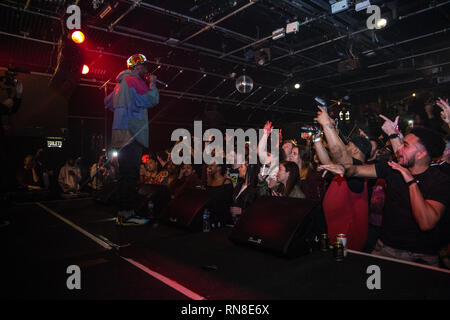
pixel 388 126
pixel 268 127
pixel 445 113
pixel 406 174
pixel 323 118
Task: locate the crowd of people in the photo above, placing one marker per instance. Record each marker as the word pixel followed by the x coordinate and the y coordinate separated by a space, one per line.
pixel 389 197
pixel 388 194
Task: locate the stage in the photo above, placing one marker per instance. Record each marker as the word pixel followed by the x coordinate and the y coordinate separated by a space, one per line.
pixel 163 262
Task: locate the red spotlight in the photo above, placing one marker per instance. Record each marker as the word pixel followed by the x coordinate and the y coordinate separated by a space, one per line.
pixel 85 69
pixel 78 37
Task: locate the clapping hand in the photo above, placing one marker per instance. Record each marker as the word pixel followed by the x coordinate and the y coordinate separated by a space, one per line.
pixel 406 174
pixel 445 113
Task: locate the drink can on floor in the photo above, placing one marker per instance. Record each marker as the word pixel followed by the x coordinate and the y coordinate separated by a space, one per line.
pixel 206 221
pixel 338 251
pixel 341 237
pixel 324 242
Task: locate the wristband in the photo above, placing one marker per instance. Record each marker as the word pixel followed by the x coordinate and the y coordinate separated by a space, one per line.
pixel 393 136
pixel 411 182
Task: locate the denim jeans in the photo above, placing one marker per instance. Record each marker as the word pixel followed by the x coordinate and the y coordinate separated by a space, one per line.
pixel 129 163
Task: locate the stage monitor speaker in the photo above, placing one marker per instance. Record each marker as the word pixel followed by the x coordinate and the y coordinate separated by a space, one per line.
pixel 285 226
pixel 152 200
pixel 186 210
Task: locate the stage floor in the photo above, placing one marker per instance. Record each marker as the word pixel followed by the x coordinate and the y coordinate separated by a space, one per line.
pixel 167 263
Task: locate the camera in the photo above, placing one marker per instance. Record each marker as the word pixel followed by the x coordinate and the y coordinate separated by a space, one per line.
pixel 313 129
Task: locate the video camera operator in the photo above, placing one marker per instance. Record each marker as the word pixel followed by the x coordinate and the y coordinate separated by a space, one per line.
pixel 10 105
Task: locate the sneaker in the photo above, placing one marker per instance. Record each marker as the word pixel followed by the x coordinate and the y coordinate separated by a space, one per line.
pixel 131 221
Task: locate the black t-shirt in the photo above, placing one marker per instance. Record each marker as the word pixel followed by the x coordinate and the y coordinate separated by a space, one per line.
pixel 399 229
pixel 444 167
pixel 356 185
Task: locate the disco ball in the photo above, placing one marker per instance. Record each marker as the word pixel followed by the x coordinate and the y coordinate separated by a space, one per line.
pixel 244 84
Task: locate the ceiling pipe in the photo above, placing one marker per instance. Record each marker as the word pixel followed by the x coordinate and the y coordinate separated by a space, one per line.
pixel 208 52
pixel 383 63
pixel 236 35
pixel 345 36
pixel 247 97
pixel 373 50
pixel 131 8
pixel 224 77
pixel 210 25
pixel 192 86
pixel 29 38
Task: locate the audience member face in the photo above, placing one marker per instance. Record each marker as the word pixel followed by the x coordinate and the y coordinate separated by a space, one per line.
pixel 188 170
pixel 101 160
pixel 295 156
pixel 446 154
pixel 212 169
pixel 282 175
pixel 151 165
pixel 242 170
pixel 409 151
pixel 287 148
pixel 353 150
pixel 171 168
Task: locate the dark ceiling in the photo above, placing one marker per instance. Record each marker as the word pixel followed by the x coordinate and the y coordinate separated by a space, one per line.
pixel 200 47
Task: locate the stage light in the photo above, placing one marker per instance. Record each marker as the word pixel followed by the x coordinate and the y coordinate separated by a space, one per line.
pixel 78 37
pixel 381 23
pixel 114 154
pixel 297 86
pixel 414 94
pixel 262 56
pixel 85 69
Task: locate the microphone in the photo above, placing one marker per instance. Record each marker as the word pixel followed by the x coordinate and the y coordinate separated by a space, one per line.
pixel 163 83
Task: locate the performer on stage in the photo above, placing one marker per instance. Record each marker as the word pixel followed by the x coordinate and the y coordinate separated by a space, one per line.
pixel 129 101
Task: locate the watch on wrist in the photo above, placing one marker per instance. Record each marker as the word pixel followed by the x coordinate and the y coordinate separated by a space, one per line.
pixel 393 136
pixel 411 182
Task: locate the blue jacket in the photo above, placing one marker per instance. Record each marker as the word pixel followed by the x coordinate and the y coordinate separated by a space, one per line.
pixel 129 101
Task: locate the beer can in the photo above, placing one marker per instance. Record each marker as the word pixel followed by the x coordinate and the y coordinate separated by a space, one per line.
pixel 341 237
pixel 324 242
pixel 338 250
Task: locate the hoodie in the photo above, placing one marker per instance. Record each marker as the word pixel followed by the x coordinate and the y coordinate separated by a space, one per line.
pixel 129 101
